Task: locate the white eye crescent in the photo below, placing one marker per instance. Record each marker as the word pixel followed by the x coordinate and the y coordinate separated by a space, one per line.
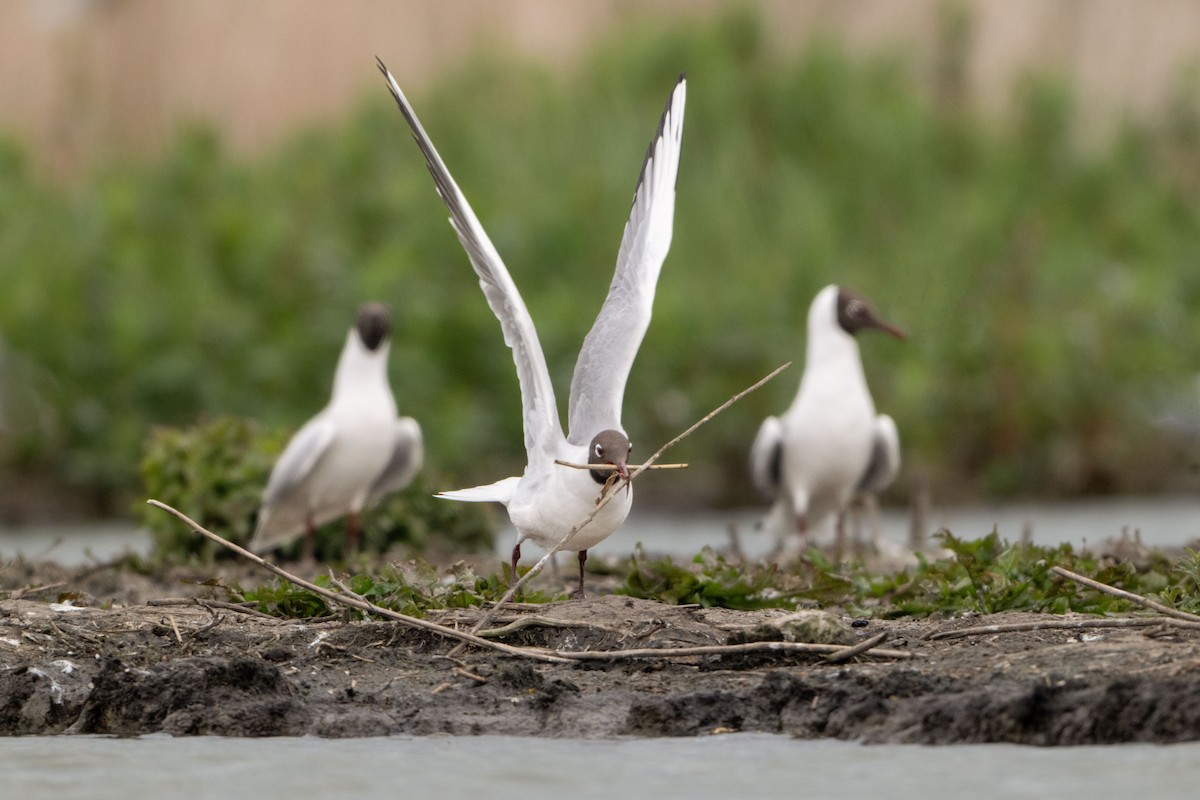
pixel 599 451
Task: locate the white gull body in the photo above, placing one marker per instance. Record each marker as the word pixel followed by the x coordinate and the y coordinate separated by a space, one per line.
pixel 829 445
pixel 349 456
pixel 548 500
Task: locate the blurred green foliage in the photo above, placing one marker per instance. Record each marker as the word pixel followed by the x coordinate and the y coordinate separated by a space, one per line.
pixel 215 472
pixel 1048 282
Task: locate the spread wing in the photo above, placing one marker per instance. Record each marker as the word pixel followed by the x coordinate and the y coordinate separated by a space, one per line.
pixel 284 508
pixel 598 385
pixel 408 453
pixel 766 455
pixel 885 457
pixel 543 431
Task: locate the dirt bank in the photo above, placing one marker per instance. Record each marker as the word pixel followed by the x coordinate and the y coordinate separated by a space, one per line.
pixel 185 669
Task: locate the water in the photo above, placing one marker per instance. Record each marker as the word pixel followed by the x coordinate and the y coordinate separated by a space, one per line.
pixel 718 767
pixel 1161 522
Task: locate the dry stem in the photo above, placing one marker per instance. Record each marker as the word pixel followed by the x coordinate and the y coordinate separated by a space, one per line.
pixel 354 601
pixel 1135 598
pixel 608 467
pixel 1061 624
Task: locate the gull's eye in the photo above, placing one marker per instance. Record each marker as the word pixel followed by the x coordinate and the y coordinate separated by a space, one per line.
pixel 598 450
pixel 630 448
pixel 854 308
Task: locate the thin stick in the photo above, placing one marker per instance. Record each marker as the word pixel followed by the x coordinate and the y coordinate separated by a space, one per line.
pixel 723 650
pixel 175 628
pixel 847 653
pixel 611 467
pixel 355 601
pixel 210 604
pixel 1135 598
pixel 1062 624
pixel 518 583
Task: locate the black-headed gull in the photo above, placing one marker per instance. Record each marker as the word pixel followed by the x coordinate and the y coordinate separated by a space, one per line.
pixel 547 501
pixel 351 454
pixel 829 445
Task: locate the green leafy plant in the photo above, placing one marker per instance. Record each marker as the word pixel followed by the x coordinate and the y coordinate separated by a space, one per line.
pixel 215 473
pixel 411 588
pixel 985 575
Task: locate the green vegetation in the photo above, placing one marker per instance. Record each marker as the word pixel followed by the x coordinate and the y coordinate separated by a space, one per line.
pixel 412 588
pixel 215 472
pixel 1048 287
pixel 986 575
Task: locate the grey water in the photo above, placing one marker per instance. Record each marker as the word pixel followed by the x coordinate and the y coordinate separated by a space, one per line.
pixel 719 767
pixel 1159 522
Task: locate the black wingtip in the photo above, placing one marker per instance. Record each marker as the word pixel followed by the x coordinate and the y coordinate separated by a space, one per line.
pixel 658 134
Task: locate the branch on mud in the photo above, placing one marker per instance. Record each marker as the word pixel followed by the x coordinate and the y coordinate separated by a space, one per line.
pixel 847 653
pixel 355 601
pixel 540 622
pixel 1063 624
pixel 633 473
pixel 210 605
pixel 1130 596
pixel 728 650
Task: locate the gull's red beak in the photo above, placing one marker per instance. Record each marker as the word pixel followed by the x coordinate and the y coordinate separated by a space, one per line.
pixel 890 329
pixel 622 468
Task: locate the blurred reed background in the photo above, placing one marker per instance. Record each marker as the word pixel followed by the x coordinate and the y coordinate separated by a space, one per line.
pixel 195 197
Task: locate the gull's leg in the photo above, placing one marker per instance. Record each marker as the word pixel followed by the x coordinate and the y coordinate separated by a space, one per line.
pixel 516 556
pixel 578 595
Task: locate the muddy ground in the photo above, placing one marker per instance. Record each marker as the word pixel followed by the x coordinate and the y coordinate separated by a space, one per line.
pixel 137 668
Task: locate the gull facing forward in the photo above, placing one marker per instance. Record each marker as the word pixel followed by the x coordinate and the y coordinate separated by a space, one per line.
pixel 829 445
pixel 350 455
pixel 547 501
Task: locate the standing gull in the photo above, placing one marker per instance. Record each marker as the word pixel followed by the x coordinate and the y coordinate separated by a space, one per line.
pixel 830 445
pixel 350 455
pixel 547 501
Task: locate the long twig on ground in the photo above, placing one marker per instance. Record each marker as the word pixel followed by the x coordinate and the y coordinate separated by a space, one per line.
pixel 533 621
pixel 725 650
pixel 633 473
pixel 847 653
pixel 1062 624
pixel 1130 596
pixel 355 601
pixel 211 604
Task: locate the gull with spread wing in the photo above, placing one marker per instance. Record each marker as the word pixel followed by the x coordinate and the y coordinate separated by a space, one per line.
pixel 547 501
pixel 350 455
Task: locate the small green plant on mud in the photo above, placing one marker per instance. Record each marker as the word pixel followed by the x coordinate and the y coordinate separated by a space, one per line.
pixel 412 588
pixel 215 472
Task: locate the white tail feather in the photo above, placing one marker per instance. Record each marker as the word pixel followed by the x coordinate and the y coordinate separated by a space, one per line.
pixel 498 492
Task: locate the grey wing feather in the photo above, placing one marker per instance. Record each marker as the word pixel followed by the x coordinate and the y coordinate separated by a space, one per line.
pixel 542 426
pixel 766 458
pixel 598 384
pixel 283 512
pixel 408 454
pixel 885 457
